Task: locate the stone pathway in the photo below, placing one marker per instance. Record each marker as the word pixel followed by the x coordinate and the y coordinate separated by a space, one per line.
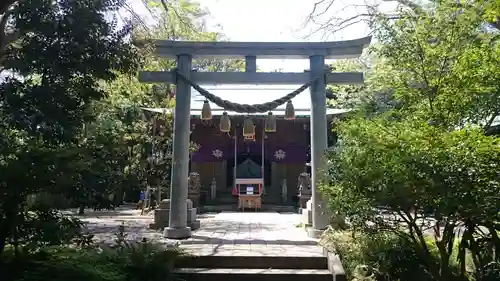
pixel 226 233
pixel 267 234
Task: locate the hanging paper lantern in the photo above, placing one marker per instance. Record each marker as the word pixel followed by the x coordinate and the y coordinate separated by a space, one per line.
pixel 206 112
pixel 289 111
pixel 270 125
pixel 225 123
pixel 248 128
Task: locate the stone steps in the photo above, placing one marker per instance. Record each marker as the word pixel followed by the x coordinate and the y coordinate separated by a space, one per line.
pixel 223 274
pixel 252 262
pixel 233 207
pixel 228 199
pixel 254 268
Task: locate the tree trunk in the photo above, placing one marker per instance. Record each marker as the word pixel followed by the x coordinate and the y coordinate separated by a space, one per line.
pixel 81 210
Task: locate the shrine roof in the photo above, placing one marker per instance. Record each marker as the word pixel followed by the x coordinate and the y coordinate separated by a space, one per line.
pixel 253 94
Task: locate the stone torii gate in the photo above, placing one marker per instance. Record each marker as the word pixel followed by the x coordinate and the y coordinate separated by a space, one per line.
pixel 317 77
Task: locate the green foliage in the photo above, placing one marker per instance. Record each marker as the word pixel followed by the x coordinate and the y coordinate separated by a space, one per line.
pixel 121 140
pixel 184 20
pixel 430 181
pixel 350 96
pixel 51 74
pixel 145 262
pixel 46 227
pixel 390 256
pixel 73 126
pixel 442 65
pixel 124 261
pixel 425 159
pixel 80 48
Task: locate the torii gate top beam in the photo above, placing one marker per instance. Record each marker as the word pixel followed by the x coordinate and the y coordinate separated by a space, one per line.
pixel 263 50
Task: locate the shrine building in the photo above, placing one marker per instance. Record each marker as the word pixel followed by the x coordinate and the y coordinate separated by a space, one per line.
pixel 279 157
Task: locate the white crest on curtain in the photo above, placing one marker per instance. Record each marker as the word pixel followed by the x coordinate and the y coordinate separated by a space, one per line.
pixel 280 154
pixel 217 153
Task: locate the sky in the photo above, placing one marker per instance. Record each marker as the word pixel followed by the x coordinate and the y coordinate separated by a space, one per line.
pixel 270 21
pixel 265 21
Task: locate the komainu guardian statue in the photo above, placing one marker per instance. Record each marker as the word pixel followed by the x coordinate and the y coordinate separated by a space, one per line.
pixel 194 187
pixel 304 182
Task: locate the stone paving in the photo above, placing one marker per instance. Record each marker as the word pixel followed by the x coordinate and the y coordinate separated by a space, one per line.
pixel 236 233
pixel 226 233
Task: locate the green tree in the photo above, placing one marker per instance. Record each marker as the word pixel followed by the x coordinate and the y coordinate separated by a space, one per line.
pixel 427 161
pixel 374 96
pixel 52 74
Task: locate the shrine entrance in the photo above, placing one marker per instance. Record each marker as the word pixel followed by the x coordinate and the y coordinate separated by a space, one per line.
pixel 248 166
pixel 315 80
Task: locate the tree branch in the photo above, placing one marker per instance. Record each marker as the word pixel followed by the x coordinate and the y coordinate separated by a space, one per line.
pixel 490 121
pixel 369 12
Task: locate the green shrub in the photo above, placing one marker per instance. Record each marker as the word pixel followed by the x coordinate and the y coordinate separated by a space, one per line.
pixel 131 262
pixel 392 257
pixel 44 226
pixel 60 264
pixel 145 261
pixel 395 258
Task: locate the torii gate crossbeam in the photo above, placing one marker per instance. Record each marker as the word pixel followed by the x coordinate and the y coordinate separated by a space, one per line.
pixel 315 52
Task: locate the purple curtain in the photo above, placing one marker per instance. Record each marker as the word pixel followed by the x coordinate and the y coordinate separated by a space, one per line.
pixel 291 153
pixel 212 153
pixel 288 153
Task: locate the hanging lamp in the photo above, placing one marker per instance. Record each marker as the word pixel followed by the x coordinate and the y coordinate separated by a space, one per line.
pixel 289 111
pixel 248 128
pixel 225 123
pixel 206 112
pixel 270 125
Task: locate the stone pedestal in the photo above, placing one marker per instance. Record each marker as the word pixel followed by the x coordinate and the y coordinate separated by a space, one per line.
pixel 191 216
pixel 162 213
pixel 303 199
pixel 195 198
pixel 304 181
pixel 307 213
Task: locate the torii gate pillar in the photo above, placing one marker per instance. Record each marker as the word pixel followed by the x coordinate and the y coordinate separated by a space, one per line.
pixel 177 227
pixel 319 144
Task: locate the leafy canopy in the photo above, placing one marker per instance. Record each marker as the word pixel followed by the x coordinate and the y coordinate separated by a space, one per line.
pixel 427 159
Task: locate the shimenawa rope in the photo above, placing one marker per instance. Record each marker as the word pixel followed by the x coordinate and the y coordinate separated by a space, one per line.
pixel 245 108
